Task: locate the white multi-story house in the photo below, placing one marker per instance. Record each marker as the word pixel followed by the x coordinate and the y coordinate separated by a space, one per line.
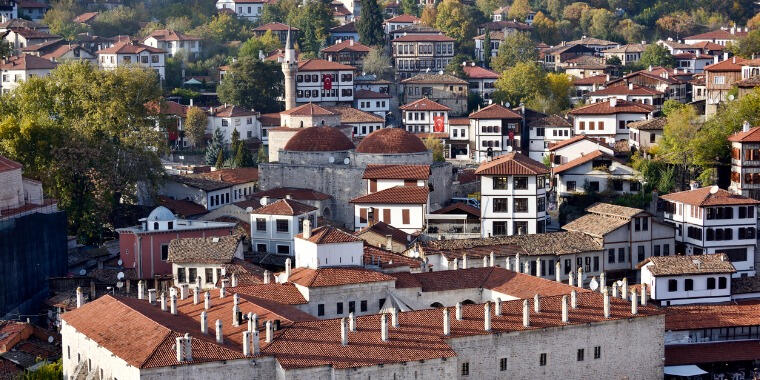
pixel 228 118
pixel 545 132
pixel 722 36
pixel 274 226
pixel 212 189
pixel 174 42
pixel 595 171
pixel 512 196
pixel 680 280
pixel 378 103
pixel 576 146
pixel 693 62
pixel 609 120
pixel 459 138
pixel 646 134
pixel 18 69
pixel 403 207
pixel 494 130
pixel 425 116
pixel 628 235
pixel 363 123
pixel 713 220
pixel 419 53
pixel 203 261
pixel 21 37
pixel 745 162
pixel 8 10
pixel 496 39
pixel 628 54
pixel 128 52
pixel 246 9
pixel 398 22
pixel 630 93
pixel 481 80
pixel 318 80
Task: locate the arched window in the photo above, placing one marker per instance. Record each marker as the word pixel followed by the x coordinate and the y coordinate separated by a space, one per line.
pixel 436 304
pixel 468 302
pixel 300 124
pixel 155 225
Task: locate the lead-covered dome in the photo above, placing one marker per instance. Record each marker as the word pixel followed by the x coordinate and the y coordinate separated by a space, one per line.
pixel 319 139
pixel 391 141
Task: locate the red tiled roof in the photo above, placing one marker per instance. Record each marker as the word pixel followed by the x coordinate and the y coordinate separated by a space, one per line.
pixel 270 119
pixel 573 140
pixel 336 276
pixel 386 259
pixel 459 121
pixel 308 109
pixel 367 94
pixel 625 90
pixel 235 176
pixel 477 72
pixel 383 229
pixel 391 141
pixel 285 293
pixel 232 111
pixel 349 27
pixel 512 164
pixel 396 195
pixel 706 316
pixel 129 47
pixel 7 164
pixel 182 208
pixel 731 64
pixel 459 206
pixel 378 171
pixel 85 17
pixel 284 207
pixel 753 135
pixel 30 33
pixel 294 192
pixel 275 27
pixel 604 108
pixel 707 45
pixel 718 352
pixel 705 197
pixel 580 161
pixel 351 115
pixel 347 45
pixel 28 62
pixel 405 18
pixel 329 235
pixel 596 79
pixel 424 38
pixel 424 104
pixel 690 55
pixel 319 139
pixel 171 35
pixel 495 111
pixel 718 34
pixel 315 64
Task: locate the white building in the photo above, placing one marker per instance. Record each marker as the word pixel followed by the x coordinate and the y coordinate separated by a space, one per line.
pixel 745 159
pixel 575 147
pixel 403 207
pixel 19 69
pixel 595 171
pixel 21 37
pixel 8 11
pixel 174 42
pixel 629 93
pixel 318 80
pixel 273 226
pixel 425 116
pixel 362 123
pixel 128 52
pixel 680 280
pixel 609 120
pixel 245 9
pixel 693 62
pixel 512 196
pixel 228 118
pixel 494 129
pixel 722 36
pixel 712 220
pixel 481 80
pixel 378 103
pixel 212 189
pixel 545 132
pixel 646 134
pixel 628 54
pixel 398 22
pixel 204 261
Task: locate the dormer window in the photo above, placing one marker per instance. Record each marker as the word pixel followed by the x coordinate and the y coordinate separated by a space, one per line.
pixel 155 225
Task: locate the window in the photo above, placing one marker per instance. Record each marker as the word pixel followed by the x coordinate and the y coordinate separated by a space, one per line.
pixel 351 306
pixel 688 284
pixel 597 352
pixel 656 251
pixel 261 224
pixel 193 276
pixel 363 305
pixel 672 285
pixel 581 125
pixel 636 224
pixel 580 355
pixel 666 249
pixel 711 283
pixel 521 205
pixel 164 252
pixel 521 183
pixel 611 256
pixel 722 282
pixel 593 185
pixel 520 228
pixel 320 310
pixel 500 183
pixel 500 204
pixel 465 369
pixel 541 205
pixel 596 263
pixel 542 359
pixel 283 249
pixel 621 254
pixel 282 225
pixel 339 308
pixel 644 223
pixel 641 253
pixel 499 228
pixel 503 364
pixel 180 275
pixel 570 185
pixel 209 275
pixel 380 303
pixel 261 247
pixel 736 254
pixel 405 216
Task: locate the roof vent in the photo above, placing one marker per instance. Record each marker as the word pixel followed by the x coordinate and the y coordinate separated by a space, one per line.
pixel 215 240
pixel 697 263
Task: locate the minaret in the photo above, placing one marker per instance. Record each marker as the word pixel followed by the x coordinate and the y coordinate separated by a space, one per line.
pixel 289 69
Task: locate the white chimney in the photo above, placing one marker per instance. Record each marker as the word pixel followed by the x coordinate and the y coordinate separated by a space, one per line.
pixel 630 86
pixel 207 300
pixel 634 303
pixel 606 305
pixel 288 264
pixel 574 299
pixel 557 268
pixel 196 295
pixel 608 77
pixel 694 185
pixel 485 261
pixel 163 301
pixel 614 290
pixel 649 68
pixel 580 277
pixel 526 267
pixel 602 281
pixel 255 340
pixel 446 322
pixel 698 53
pixel 253 321
pixel 492 259
pixel 80 297
pixel 613 104
pixel 233 281
pixel 343 332
pixel 152 296
pixel 746 126
pixel 564 309
pixel 270 332
pixel 644 294
pixel 571 279
pixel 266 277
pixel 508 265
pixel 538 267
pixel 458 311
pixel 179 344
pixel 173 304
pixel 235 315
pixel 716 59
pixel 383 328
pixel 526 314
pixel 246 343
pixel 351 322
pixel 624 290
pixel 306 228
pixel 725 56
pixel 204 322
pixel 394 317
pixel 487 316
pixel 140 289
pixel 464 261
pixel 219 335
pixel 455 264
pixel 536 304
pixel 183 290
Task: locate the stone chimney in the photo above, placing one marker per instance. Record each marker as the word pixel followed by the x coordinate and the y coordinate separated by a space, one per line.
pixel 269 332
pixel 580 275
pixel 383 328
pixel 163 301
pixel 630 86
pixel 235 315
pixel 306 228
pixel 343 332
pixel 485 261
pixel 267 278
pixel 557 274
pixel 389 242
pixel 564 309
pixel 497 307
pixel 446 322
pixel 246 343
pixel 351 322
pixel 526 314
pixel 458 311
pixel 80 297
pixel 394 317
pixel 204 322
pixel 614 289
pixel 538 267
pixel 253 321
pixel 602 280
pixel 644 294
pixel 536 304
pixel 571 279
pixel 140 290
pixel 634 303
pixel 487 316
pixel 464 261
pixel 173 304
pixel 183 290
pixel 152 296
pixel 196 295
pixel 233 280
pixel 207 300
pixel 508 263
pixel 219 335
pixel 184 348
pixel 223 289
pixel 606 305
pixel 574 299
pixel 492 258
pixel 624 290
pixel 288 264
pixel 255 341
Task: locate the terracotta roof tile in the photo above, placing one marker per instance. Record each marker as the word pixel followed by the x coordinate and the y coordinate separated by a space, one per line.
pixel 7 164
pixel 610 209
pixel 85 17
pixel 171 35
pixel 329 235
pixel 580 161
pixel 367 94
pixel 753 135
pixel 596 79
pixel 423 38
pixel 211 250
pixel 459 121
pixel 319 139
pixel 285 293
pixel 550 243
pixel 604 108
pixel 595 225
pixel 270 119
pixel 378 171
pixel 232 111
pixel 705 197
pixel 719 34
pixel 731 64
pixel 656 124
pixel 477 72
pixel 200 182
pixel 707 316
pixel 405 18
pixel 625 90
pixel 182 208
pixel 396 195
pixel 383 229
pixel 391 141
pixel 315 64
pixel 459 206
pixel 129 47
pixel 308 109
pixel 495 111
pixel 284 207
pixel 28 62
pixel 433 78
pixel 347 45
pixel 349 27
pixel 575 139
pixel 424 104
pixel 683 265
pixel 350 115
pixel 385 259
pixel 550 121
pixel 512 164
pixel 336 276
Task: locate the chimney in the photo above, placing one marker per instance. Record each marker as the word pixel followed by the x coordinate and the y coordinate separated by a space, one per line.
pixel 383 328
pixel 458 310
pixel 608 77
pixel 233 280
pixel 266 277
pixel 733 59
pixel 207 300
pixel 223 289
pixel 492 258
pixel 191 102
pixel 163 301
pixel 464 261
pixel 179 345
pixel 497 307
pixel 235 315
pixel 80 297
pixel 644 294
pixel 716 59
pixel 446 322
pixel 455 264
pixel 634 303
pixel 219 336
pixel 580 277
pixel 694 185
pixel 389 242
pixel 204 322
pixel 173 304
pixel 485 261
pixel 624 290
pixel 394 317
pixel 508 263
pixel 613 104
pixel 152 296
pixel 487 316
pixel 526 267
pixel 253 321
pixel 246 343
pixel 351 322
pixel 557 268
pixel 269 331
pixel 196 295
pixel 606 305
pixel 725 56
pixel 564 309
pixel 614 289
pixel 538 267
pixel 602 281
pixel 306 228
pixel 698 53
pixel 630 86
pixel 351 42
pixel 183 290
pixel 649 68
pixel 574 299
pixel 536 304
pixel 746 126
pixel 288 265
pixel 140 290
pixel 526 314
pixel 571 279
pixel 343 332
pixel 255 341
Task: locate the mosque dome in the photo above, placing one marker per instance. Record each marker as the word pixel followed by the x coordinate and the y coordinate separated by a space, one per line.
pixel 161 213
pixel 319 139
pixel 391 141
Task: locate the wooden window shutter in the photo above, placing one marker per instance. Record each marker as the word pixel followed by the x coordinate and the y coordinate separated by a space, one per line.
pixel 372 186
pixel 363 215
pixel 405 216
pixel 387 216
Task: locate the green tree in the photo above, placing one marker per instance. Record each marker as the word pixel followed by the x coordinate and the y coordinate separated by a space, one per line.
pixel 252 84
pixel 519 10
pixel 631 31
pixel 524 83
pixel 677 23
pixel 267 43
pixel 488 6
pixel 435 146
pixel 234 140
pixel 544 28
pixel 516 47
pixel 59 19
pixel 747 45
pixel 219 160
pixel 614 61
pixel 558 95
pixel 657 55
pixel 678 145
pixel 429 15
pixel 574 11
pixel 452 18
pixel 196 121
pixel 602 24
pixel 262 156
pixel 410 7
pixel 215 148
pixel 243 158
pixel 222 28
pixel 456 66
pixel 670 105
pixel 88 136
pixel 487 49
pixel 119 21
pixel 314 20
pixel 378 63
pixel 49 371
pixel 370 24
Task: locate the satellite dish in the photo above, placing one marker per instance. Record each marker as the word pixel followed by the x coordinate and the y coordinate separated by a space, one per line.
pixel 346 161
pixel 714 189
pixel 506 104
pixel 594 285
pixel 731 97
pixel 263 201
pixel 82 272
pixel 50 339
pixel 619 283
pixel 120 262
pixel 509 148
pixel 120 275
pixel 119 284
pixel 331 159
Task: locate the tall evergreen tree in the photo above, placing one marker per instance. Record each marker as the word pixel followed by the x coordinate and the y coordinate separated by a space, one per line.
pixel 487 49
pixel 214 147
pixel 220 160
pixel 234 140
pixel 410 7
pixel 370 24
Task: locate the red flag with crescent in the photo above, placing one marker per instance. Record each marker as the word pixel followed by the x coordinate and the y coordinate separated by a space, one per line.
pixel 327 82
pixel 438 124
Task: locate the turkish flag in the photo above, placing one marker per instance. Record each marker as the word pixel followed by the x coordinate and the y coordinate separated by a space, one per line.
pixel 438 125
pixel 327 82
pixel 511 135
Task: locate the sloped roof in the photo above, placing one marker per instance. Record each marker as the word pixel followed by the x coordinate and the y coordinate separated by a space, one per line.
pixel 337 276
pixel 477 72
pixel 171 35
pixel 351 115
pixel 575 139
pixel 433 79
pixel 552 120
pixel 284 207
pixel 459 206
pixel 709 196
pixel 232 111
pixel 733 64
pixel 627 48
pixel 404 18
pixel 753 135
pixel 384 229
pixel 386 259
pixel 718 34
pixel 396 195
pixel 610 209
pixel 382 171
pixel 495 111
pixel 580 161
pixel 656 124
pixel 604 108
pixel 28 62
pixel 347 45
pixel 349 27
pixel 367 94
pixel 423 38
pixel 595 225
pixel 512 164
pixel 329 235
pixel 211 250
pixel 596 79
pixel 707 316
pixel 6 164
pixel 625 90
pixel 424 104
pixel 315 64
pixel 129 47
pixel 391 141
pixel 308 109
pixel 233 175
pixel 685 265
pixel 275 27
